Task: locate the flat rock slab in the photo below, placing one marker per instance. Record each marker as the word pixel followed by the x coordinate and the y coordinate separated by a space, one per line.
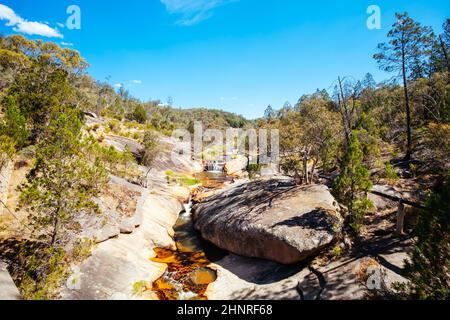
pixel 241 278
pixel 120 143
pixel 170 157
pixel 121 205
pixel 382 203
pixel 271 219
pixel 8 290
pixel 116 265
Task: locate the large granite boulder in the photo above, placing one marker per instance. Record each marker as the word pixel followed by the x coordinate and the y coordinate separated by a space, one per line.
pixel 270 219
pixel 171 156
pixel 120 143
pixel 236 166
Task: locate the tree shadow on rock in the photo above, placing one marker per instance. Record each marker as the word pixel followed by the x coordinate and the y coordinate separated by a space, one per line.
pixel 259 271
pixel 318 219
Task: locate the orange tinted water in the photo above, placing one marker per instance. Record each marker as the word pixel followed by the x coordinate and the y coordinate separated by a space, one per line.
pixel 187 276
pixel 212 180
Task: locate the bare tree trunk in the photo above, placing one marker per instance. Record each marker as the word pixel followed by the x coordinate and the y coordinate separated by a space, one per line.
pixel 444 50
pixel 306 153
pixel 408 108
pixel 343 110
pixel 400 219
pixel 313 169
pixel 55 229
pixel 305 169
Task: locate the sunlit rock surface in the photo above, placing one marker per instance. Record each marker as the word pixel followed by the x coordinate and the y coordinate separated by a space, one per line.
pixel 271 219
pixel 122 261
pixel 117 264
pixel 8 290
pixel 236 166
pixel 240 278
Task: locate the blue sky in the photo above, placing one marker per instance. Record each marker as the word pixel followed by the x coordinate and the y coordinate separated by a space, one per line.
pixel 237 55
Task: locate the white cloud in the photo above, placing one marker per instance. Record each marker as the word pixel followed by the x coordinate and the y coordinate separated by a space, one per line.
pixel 28 27
pixel 37 28
pixel 9 15
pixel 61 25
pixel 67 44
pixel 136 82
pixel 118 85
pixel 193 11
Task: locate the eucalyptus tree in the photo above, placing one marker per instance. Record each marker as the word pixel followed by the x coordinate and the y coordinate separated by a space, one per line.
pixel 444 42
pixel 151 144
pixel 405 53
pixel 62 182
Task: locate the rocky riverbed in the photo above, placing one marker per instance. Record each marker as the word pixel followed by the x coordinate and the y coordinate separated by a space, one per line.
pixel 285 242
pixel 124 262
pixel 276 238
pixel 261 239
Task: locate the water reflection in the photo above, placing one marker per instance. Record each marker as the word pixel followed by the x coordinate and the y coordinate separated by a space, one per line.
pixel 213 180
pixel 187 276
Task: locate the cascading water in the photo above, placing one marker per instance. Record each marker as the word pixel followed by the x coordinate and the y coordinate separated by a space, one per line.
pixel 215 166
pixel 187 276
pixel 187 208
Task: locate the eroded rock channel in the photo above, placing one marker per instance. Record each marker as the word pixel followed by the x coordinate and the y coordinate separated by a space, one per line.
pixel 187 276
pixel 269 219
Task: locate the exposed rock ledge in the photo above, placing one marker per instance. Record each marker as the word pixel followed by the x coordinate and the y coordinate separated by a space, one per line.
pixel 115 265
pixel 270 219
pixel 240 278
pixel 8 290
pixel 133 228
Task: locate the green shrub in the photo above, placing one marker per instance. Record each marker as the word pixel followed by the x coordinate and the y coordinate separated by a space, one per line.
pixel 46 269
pixel 139 114
pixel 413 169
pixel 253 169
pixel 428 266
pixel 188 181
pixel 353 184
pixel 14 124
pixel 140 287
pixel 45 272
pixel 337 252
pixel 390 173
pixel 114 125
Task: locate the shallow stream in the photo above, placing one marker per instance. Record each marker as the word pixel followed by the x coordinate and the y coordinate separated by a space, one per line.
pixel 187 276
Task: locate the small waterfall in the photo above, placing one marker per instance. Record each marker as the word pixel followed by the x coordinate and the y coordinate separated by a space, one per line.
pixel 215 166
pixel 182 295
pixel 187 208
pixel 187 276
